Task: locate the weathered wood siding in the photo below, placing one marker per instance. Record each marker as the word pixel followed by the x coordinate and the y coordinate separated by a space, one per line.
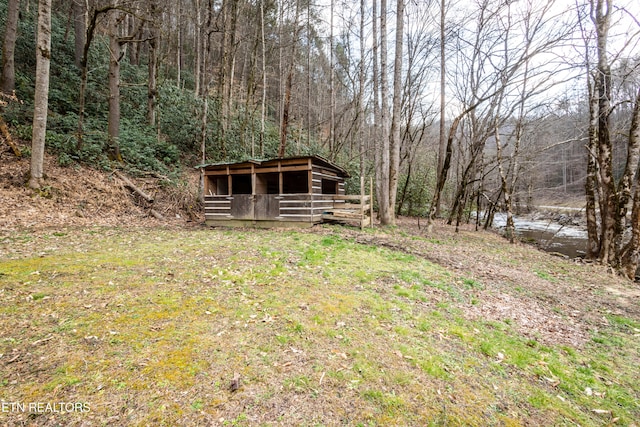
pixel 283 207
pixel 217 207
pixel 319 174
pixel 282 190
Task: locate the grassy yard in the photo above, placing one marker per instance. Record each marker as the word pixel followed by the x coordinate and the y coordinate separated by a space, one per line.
pixel 154 326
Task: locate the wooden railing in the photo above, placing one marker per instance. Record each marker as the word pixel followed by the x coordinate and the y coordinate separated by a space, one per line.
pixel 356 208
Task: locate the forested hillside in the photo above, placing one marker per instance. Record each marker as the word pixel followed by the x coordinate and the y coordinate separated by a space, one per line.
pixel 451 107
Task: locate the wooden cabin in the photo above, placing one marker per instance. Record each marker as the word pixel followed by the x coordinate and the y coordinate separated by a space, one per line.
pixel 299 191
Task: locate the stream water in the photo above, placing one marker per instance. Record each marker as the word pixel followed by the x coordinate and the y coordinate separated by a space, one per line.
pixel 550 235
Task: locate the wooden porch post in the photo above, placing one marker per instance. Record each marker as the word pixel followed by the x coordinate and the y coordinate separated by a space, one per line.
pixel 253 179
pixel 310 186
pixel 371 200
pixel 362 203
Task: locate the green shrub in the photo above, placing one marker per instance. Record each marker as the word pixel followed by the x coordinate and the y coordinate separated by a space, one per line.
pixel 141 148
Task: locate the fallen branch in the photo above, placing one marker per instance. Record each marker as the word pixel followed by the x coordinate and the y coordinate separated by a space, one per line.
pixel 14 358
pixel 156 214
pixel 49 338
pixel 7 137
pixel 135 188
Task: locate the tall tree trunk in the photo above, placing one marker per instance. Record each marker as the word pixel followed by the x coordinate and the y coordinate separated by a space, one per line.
pixel 442 137
pixel 605 147
pixel 135 31
pixel 377 119
pixel 264 80
pixel 280 60
pixel 223 72
pixel 510 229
pixel 179 47
pixel 332 84
pixel 591 180
pixel 405 188
pixel 631 253
pixel 79 29
pixel 113 118
pixel 41 101
pixel 152 90
pixel 250 105
pixel 225 75
pixel 309 74
pixel 361 103
pixel 8 78
pixel 154 42
pixel 609 246
pixel 625 186
pixel 84 72
pixel 203 144
pixel 442 174
pixel 386 217
pixel 394 164
pixel 230 84
pixel 198 42
pixel 285 113
pixel 288 86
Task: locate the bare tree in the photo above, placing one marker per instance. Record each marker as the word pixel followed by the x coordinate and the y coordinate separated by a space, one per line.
pixel 377 113
pixel 8 78
pixel 41 101
pixel 382 186
pixel 198 48
pixel 362 78
pixel 493 62
pixel 91 29
pixel 289 83
pixel 394 161
pixel 225 75
pixel 116 40
pixel 154 48
pixel 180 41
pixel 332 82
pixel 442 137
pixel 630 254
pixel 80 29
pixel 263 99
pixel 614 198
pixel 115 55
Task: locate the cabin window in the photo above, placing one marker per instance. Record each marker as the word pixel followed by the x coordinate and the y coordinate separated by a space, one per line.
pixel 329 186
pixel 241 184
pixel 295 182
pixel 267 183
pixel 219 186
pixel 222 186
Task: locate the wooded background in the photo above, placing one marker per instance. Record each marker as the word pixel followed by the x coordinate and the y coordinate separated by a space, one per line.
pixel 452 107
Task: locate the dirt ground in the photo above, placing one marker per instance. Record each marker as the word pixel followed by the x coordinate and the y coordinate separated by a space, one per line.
pixel 81 196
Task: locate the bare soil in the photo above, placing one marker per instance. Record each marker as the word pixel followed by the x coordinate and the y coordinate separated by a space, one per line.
pixel 81 196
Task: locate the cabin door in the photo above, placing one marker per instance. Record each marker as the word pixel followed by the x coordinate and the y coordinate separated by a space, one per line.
pixel 267 206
